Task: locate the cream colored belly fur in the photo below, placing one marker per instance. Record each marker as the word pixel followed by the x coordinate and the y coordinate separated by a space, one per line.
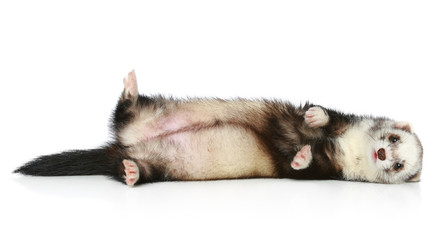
pixel 210 153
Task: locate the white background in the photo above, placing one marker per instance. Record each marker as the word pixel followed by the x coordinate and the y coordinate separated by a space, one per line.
pixel 62 65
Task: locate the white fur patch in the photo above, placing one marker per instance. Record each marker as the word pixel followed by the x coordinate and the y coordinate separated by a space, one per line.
pixel 356 145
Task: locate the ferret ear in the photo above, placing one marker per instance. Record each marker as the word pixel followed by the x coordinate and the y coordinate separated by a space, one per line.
pixel 405 126
pixel 415 178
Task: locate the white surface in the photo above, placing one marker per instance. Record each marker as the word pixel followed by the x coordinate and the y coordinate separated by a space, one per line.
pixel 62 66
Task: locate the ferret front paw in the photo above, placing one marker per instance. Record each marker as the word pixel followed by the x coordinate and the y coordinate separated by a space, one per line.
pixel 302 159
pixel 131 172
pixel 130 85
pixel 316 117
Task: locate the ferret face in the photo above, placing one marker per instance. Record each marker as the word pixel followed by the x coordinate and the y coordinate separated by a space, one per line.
pixel 396 153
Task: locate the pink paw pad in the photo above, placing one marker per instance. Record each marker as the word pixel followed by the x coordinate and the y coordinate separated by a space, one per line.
pixel 130 85
pixel 316 117
pixel 131 172
pixel 302 159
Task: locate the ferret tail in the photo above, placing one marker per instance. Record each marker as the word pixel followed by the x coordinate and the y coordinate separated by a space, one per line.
pixel 101 161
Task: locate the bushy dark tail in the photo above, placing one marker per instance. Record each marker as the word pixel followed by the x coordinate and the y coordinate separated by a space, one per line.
pixel 101 161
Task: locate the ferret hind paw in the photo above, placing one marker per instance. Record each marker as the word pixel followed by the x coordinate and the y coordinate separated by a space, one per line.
pixel 130 85
pixel 302 159
pixel 131 172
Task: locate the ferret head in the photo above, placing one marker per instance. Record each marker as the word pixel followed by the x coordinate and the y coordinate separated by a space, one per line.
pixel 396 152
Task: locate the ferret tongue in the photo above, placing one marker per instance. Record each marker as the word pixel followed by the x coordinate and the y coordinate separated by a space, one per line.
pixel 375 155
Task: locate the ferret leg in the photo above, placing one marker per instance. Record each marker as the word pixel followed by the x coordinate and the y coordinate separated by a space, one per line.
pixel 302 159
pixel 316 117
pixel 131 172
pixel 333 123
pixel 127 105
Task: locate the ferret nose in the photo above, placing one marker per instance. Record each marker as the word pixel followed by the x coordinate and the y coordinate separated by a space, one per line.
pixel 382 154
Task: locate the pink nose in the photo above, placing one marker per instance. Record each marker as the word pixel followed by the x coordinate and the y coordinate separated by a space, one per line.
pixel 382 154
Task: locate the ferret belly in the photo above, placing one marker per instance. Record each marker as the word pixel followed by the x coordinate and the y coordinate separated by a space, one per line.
pixel 219 152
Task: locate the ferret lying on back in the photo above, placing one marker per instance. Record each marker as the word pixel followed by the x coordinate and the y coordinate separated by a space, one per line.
pixel 163 139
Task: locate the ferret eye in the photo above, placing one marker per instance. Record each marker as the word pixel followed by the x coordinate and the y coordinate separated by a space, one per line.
pixel 394 138
pixel 397 166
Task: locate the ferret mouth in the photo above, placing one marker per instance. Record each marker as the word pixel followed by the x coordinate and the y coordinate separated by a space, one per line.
pixel 374 156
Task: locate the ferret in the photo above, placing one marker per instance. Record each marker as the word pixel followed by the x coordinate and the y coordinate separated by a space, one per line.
pixel 158 139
